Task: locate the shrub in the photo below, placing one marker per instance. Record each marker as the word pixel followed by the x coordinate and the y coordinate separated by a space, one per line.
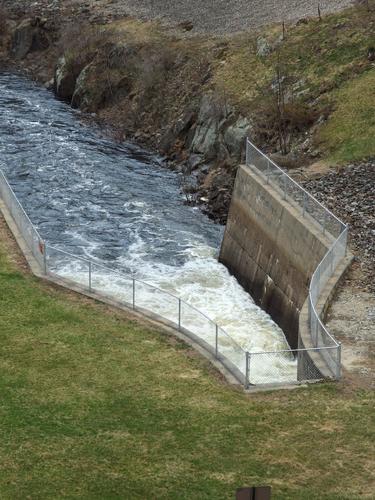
pixel 3 23
pixel 80 44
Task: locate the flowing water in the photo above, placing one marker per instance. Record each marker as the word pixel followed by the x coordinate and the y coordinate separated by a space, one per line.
pixel 117 205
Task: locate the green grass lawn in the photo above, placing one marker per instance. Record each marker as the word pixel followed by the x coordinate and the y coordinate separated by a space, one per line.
pixel 350 132
pixel 93 405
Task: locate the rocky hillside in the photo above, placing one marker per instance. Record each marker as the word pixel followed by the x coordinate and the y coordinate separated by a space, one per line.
pixel 303 91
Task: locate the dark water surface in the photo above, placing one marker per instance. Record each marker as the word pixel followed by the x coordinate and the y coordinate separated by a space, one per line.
pixel 116 204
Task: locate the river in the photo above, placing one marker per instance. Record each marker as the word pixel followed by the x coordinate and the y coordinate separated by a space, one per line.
pixel 119 206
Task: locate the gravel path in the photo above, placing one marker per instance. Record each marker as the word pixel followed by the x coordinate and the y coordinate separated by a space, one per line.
pixel 207 16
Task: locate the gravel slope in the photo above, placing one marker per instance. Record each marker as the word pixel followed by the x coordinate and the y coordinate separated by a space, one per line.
pixel 227 16
pixel 207 16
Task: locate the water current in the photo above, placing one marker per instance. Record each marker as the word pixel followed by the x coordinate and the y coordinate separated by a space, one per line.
pixel 119 206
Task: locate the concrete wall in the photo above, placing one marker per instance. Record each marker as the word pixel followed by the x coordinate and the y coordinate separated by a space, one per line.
pixel 271 249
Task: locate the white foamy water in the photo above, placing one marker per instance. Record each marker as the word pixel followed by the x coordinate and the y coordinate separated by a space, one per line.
pixel 116 206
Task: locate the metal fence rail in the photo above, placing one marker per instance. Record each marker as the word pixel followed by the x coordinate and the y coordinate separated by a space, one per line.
pixel 248 368
pixel 324 343
pixel 33 240
pixel 133 293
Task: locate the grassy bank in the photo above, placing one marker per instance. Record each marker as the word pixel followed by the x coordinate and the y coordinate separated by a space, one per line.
pixel 325 68
pixel 96 406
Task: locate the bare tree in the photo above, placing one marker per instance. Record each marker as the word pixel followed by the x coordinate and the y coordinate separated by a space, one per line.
pixel 281 83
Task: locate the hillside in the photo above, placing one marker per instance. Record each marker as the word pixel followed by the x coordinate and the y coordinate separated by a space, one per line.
pixel 214 17
pixel 303 92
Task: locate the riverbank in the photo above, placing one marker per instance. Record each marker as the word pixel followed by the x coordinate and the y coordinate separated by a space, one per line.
pixel 194 97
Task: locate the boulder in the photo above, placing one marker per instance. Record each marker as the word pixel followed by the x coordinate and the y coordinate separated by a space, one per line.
pixel 186 25
pixel 65 79
pixel 179 130
pixel 49 84
pixel 206 140
pixel 81 97
pixel 286 162
pixel 95 88
pixel 235 138
pixel 263 47
pixel 28 36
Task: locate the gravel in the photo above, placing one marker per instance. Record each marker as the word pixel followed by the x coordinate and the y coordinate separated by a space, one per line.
pixel 206 16
pixel 229 16
pixel 350 194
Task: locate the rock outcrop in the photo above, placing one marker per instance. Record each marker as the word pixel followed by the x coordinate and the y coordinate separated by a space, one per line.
pixel 30 35
pixel 65 80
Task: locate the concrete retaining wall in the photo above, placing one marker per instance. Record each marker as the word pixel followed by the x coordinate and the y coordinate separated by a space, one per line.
pixel 272 249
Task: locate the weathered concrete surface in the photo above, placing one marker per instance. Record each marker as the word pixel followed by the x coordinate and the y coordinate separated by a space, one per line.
pixel 326 364
pixel 271 249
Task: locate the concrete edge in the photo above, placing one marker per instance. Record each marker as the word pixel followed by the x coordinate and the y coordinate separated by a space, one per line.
pixel 327 295
pixel 324 302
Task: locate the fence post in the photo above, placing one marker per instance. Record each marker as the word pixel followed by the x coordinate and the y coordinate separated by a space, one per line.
pixel 247 152
pixel 217 342
pixel 133 293
pixel 247 381
pixel 338 368
pixel 304 204
pixel 90 275
pixel 45 258
pixel 179 314
pixel 346 240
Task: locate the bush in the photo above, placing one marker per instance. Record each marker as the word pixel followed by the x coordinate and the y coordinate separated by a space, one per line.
pixel 3 23
pixel 79 44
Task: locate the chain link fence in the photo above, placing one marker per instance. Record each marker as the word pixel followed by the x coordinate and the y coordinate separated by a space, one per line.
pixel 151 302
pixel 126 290
pixel 248 368
pixel 31 236
pixel 326 347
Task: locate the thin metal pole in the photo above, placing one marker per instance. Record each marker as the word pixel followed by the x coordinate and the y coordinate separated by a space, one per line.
pixel 284 187
pixel 217 342
pixel 338 369
pixel 179 314
pixel 304 204
pixel 90 275
pixel 247 381
pixel 346 240
pixel 45 258
pixel 268 171
pixel 133 293
pixel 324 222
